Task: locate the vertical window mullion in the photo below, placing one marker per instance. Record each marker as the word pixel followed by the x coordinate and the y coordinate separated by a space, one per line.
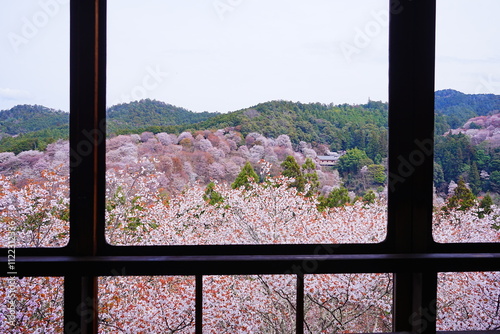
pixel 299 312
pixel 87 140
pixel 199 304
pixel 411 120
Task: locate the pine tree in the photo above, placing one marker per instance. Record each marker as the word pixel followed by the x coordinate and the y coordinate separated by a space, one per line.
pixel 462 198
pixel 310 177
pixel 474 179
pixel 246 175
pixel 337 197
pixel 369 197
pixel 212 196
pixel 485 206
pixel 292 169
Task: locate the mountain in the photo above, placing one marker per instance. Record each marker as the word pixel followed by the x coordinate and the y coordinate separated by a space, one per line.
pixel 144 113
pixel 26 127
pixel 29 118
pixel 339 127
pixel 454 108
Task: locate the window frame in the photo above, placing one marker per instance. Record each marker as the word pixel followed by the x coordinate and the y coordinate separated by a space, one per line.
pixel 409 250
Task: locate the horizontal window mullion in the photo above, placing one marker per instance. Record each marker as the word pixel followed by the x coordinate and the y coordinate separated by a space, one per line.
pixel 269 264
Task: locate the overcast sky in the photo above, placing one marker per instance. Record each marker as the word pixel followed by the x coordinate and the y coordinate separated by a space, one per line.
pixel 224 55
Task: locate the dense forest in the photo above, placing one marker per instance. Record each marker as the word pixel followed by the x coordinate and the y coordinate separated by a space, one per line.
pixel 144 113
pixel 340 127
pixel 454 108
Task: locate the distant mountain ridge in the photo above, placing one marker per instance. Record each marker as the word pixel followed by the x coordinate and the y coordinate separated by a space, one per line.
pixel 454 108
pixel 340 126
pixel 140 114
pixel 29 118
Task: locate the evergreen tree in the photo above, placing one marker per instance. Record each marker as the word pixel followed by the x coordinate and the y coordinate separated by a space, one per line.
pixel 212 196
pixel 310 176
pixel 438 175
pixel 337 197
pixel 369 197
pixel 495 181
pixel 292 169
pixel 474 179
pixel 462 199
pixel 246 175
pixel 353 160
pixel 485 206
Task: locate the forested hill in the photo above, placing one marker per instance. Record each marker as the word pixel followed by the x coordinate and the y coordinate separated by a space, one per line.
pixel 340 127
pixel 24 119
pixel 144 113
pixel 29 118
pixel 26 127
pixel 454 108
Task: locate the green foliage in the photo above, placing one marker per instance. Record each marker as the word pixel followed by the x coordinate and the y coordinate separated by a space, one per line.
pixel 454 108
pixel 438 175
pixel 353 160
pixel 474 179
pixel 303 176
pixel 142 114
pixel 342 126
pixel 246 175
pixel 30 118
pixel 377 174
pixel 462 199
pixel 369 197
pixel 292 169
pixel 310 177
pixel 37 140
pixel 485 206
pixel 211 195
pixel 474 126
pixel 337 197
pixel 495 181
pixel 483 159
pixel 454 153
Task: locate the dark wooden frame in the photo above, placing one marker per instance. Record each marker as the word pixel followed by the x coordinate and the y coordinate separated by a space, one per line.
pixel 408 251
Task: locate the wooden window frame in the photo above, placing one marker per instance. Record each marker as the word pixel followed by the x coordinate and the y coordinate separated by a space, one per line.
pixel 409 250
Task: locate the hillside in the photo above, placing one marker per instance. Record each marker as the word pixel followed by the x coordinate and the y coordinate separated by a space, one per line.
pixel 30 118
pixel 454 108
pixel 26 127
pixel 144 113
pixel 482 129
pixel 339 127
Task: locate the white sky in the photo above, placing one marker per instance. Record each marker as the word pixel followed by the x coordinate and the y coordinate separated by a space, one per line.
pixel 224 55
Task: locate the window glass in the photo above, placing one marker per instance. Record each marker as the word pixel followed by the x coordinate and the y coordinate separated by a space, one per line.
pixel 468 301
pixel 246 123
pixel 31 304
pixel 249 304
pixel 348 303
pixel 148 304
pixel 467 106
pixel 34 106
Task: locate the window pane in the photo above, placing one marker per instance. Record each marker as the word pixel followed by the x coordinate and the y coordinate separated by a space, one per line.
pixel 34 105
pixel 31 304
pixel 348 303
pixel 249 304
pixel 467 104
pixel 206 144
pixel 468 301
pixel 147 304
